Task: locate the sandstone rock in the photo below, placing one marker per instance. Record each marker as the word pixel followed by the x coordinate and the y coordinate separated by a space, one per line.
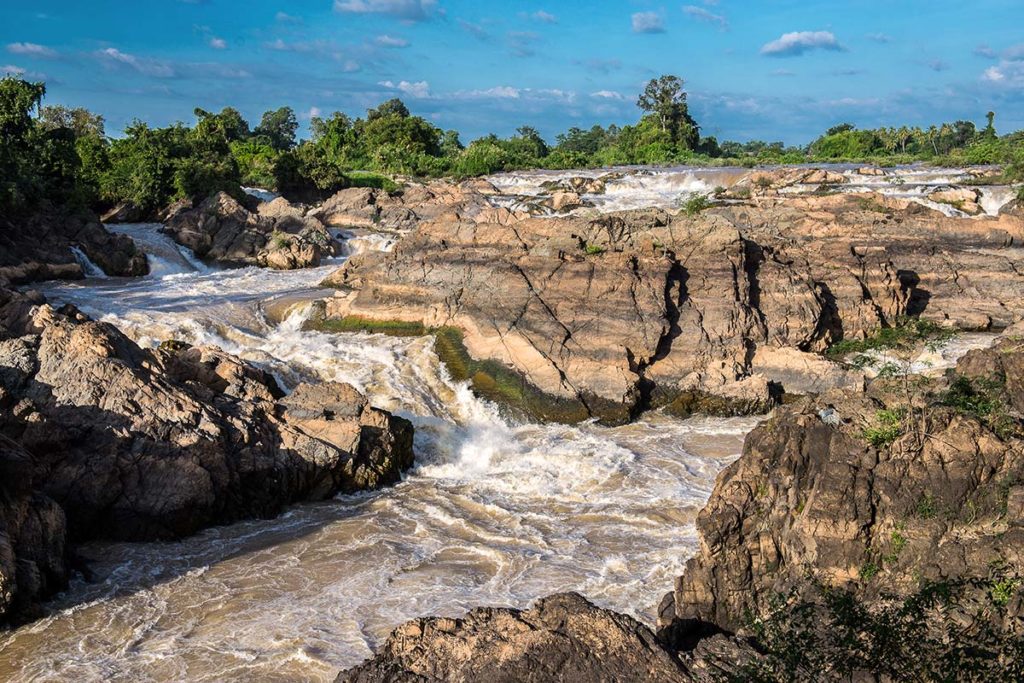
pixel 630 309
pixel 870 171
pixel 33 557
pixel 561 638
pixel 565 201
pixel 813 499
pixel 38 247
pixel 962 198
pixel 135 444
pixel 277 235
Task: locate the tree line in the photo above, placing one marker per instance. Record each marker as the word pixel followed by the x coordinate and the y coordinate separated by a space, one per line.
pixel 63 155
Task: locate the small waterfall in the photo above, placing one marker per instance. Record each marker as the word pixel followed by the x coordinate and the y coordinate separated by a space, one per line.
pixel 995 197
pixel 166 257
pixel 90 269
pixel 261 194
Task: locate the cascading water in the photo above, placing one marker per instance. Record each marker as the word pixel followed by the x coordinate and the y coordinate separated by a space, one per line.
pixel 88 267
pixel 495 512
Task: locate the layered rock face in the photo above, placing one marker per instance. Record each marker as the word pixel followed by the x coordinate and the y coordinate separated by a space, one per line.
pixel 40 247
pixel 633 310
pixel 135 444
pixel 277 235
pixel 844 503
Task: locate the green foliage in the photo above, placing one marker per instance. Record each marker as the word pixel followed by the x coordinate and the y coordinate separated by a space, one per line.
pixel 833 634
pixel 594 249
pixel 887 428
pixel 277 128
pixel 981 398
pixel 394 328
pixel 869 570
pixel 39 158
pixel 927 507
pixel 696 204
pixel 906 333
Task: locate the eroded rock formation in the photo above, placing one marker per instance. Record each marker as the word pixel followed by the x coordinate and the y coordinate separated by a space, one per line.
pixel 940 496
pixel 39 247
pixel 626 311
pixel 277 234
pixel 136 444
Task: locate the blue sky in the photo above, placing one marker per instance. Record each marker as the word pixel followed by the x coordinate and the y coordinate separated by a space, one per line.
pixel 775 69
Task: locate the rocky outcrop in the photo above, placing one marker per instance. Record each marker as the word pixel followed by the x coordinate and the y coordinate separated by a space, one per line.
pixel 277 235
pixel 560 638
pixel 136 444
pixel 39 247
pixel 33 556
pixel 363 207
pixel 908 483
pixel 634 310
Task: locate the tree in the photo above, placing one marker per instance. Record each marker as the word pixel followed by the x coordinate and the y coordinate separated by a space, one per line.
pixel 990 129
pixel 393 107
pixel 81 121
pixel 665 99
pixel 841 128
pixel 278 127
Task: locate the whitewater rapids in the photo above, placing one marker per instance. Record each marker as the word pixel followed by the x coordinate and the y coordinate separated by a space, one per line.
pixel 494 512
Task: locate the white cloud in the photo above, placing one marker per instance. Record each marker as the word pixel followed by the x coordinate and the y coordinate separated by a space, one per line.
pixel 286 18
pixel 419 90
pixel 608 95
pixel 149 67
pixel 521 42
pixel 407 10
pixel 31 50
pixel 544 17
pixel 500 92
pixel 879 37
pixel 218 43
pixel 12 70
pixel 985 51
pixel 701 14
pixel 648 22
pixel 799 42
pixel 351 66
pixel 1009 72
pixel 391 41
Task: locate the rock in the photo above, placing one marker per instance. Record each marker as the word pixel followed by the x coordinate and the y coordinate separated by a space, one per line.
pixel 277 235
pixel 561 638
pixel 870 171
pixel 33 556
pixel 632 309
pixel 814 498
pixel 564 201
pixel 39 247
pixel 125 212
pixel 961 198
pixel 823 177
pixel 136 444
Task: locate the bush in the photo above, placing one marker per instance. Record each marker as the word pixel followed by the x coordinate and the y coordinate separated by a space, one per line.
pixel 888 427
pixel 696 204
pixel 833 635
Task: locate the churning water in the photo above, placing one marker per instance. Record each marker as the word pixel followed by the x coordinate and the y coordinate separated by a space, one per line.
pixel 494 512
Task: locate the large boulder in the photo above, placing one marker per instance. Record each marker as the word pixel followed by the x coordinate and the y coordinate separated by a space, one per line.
pixel 40 247
pixel 138 444
pixel 33 554
pixel 874 493
pixel 277 234
pixel 561 638
pixel 630 310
